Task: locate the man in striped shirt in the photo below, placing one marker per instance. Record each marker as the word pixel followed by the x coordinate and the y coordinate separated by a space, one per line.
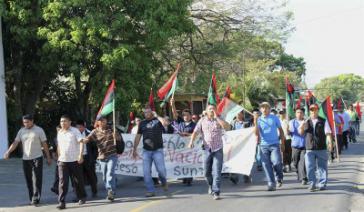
pixel 212 127
pixel 104 137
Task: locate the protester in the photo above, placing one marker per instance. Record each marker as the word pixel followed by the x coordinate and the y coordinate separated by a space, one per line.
pixel 211 127
pixel 195 118
pixel 33 139
pixel 258 158
pixel 317 131
pixel 89 158
pixel 287 154
pixel 185 128
pixel 266 128
pixel 298 145
pixel 236 124
pixel 353 122
pixel 106 140
pixel 339 123
pixel 70 158
pixel 346 126
pixel 151 128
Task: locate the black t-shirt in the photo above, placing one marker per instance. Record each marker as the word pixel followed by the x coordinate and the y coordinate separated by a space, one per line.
pixel 152 134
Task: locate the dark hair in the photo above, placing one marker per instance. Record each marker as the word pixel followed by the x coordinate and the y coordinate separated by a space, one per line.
pixel 300 108
pixel 282 112
pixel 80 122
pixel 187 111
pixel 65 116
pixel 28 117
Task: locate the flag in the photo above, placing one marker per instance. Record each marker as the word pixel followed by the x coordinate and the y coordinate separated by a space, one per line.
pixel 298 104
pixel 227 92
pixel 228 109
pixel 339 104
pixel 357 108
pixel 309 100
pixel 171 92
pixel 108 104
pixel 326 112
pixel 151 100
pixel 213 98
pixel 289 99
pixel 129 124
pixel 165 89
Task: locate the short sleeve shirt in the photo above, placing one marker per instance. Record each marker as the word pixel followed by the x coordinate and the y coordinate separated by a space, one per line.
pixel 268 129
pixel 32 140
pixel 152 131
pixel 212 133
pixel 69 144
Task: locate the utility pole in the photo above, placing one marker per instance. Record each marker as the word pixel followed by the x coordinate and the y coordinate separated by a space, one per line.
pixel 3 114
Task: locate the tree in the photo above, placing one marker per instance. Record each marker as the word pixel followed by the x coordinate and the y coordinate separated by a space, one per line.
pixel 348 86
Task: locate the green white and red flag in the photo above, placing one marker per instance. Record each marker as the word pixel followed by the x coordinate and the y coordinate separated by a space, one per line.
pixel 327 113
pixel 289 99
pixel 228 109
pixel 168 89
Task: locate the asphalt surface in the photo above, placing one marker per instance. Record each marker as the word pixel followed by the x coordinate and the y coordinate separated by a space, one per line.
pixel 344 192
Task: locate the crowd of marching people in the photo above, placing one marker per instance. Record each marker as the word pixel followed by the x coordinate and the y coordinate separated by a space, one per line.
pixel 305 144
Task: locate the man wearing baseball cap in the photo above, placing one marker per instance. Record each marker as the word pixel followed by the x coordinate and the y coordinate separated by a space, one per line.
pixel 316 131
pixel 266 129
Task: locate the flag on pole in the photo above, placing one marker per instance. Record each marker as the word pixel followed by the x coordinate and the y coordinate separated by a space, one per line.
pixel 168 89
pixel 228 109
pixel 289 99
pixel 298 104
pixel 213 97
pixel 151 100
pixel 107 106
pixel 357 108
pixel 326 112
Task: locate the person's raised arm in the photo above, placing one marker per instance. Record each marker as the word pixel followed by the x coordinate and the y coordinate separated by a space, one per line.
pixel 161 119
pixel 174 110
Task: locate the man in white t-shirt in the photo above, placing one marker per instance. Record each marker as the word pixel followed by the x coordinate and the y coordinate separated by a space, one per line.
pixel 33 139
pixel 70 156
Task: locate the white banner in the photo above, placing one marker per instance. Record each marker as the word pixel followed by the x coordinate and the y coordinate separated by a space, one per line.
pixel 180 161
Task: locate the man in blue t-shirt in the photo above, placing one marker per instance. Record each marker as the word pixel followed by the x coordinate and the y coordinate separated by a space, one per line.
pixel 266 128
pixel 298 145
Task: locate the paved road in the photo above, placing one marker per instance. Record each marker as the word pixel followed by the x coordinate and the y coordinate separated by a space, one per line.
pixel 345 192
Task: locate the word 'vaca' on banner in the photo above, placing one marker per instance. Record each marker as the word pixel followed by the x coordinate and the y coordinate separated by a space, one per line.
pixel 181 162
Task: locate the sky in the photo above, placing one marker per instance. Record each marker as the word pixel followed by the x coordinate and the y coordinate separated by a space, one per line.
pixel 329 35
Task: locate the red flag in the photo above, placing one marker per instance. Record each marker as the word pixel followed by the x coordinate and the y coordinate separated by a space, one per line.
pixel 326 112
pixel 227 92
pixel 213 97
pixel 131 120
pixel 163 91
pixel 151 100
pixel 357 108
pixel 298 104
pixel 107 103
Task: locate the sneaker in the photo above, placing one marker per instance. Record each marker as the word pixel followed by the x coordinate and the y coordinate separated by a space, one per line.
pixel 110 195
pixel 304 182
pixel 61 206
pixel 81 202
pixel 216 196
pixel 149 194
pixel 35 202
pixel 311 188
pixel 279 183
pixel 271 188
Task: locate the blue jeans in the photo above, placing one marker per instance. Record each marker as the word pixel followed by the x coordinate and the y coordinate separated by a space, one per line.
pixel 258 158
pixel 272 160
pixel 157 157
pixel 320 158
pixel 108 172
pixel 213 167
